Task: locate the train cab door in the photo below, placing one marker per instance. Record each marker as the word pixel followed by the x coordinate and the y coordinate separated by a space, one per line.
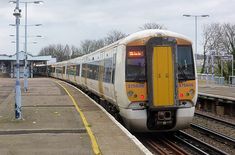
pixel 162 77
pixel 162 82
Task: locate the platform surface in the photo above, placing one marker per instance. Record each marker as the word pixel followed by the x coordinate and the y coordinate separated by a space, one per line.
pixel 219 91
pixel 51 124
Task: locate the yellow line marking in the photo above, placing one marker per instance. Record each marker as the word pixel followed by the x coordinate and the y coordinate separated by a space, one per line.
pixel 95 146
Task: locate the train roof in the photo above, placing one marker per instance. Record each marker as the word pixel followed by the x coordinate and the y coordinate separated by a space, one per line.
pixel 131 38
pixel 152 33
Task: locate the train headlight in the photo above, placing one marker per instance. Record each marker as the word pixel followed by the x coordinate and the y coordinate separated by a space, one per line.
pixel 137 105
pixel 130 93
pixel 186 104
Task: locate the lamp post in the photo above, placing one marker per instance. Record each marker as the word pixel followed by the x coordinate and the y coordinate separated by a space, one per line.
pixel 26 65
pixel 18 115
pixel 195 17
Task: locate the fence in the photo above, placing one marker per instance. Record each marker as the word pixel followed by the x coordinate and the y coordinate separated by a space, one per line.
pixel 209 78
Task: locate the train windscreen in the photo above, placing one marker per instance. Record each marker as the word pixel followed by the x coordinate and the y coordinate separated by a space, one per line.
pixel 185 63
pixel 135 64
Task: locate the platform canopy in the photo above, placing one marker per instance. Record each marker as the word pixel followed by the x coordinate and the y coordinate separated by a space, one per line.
pixel 7 63
pixel 29 57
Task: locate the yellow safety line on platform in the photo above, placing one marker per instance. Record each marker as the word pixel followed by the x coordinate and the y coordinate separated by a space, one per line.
pixel 95 146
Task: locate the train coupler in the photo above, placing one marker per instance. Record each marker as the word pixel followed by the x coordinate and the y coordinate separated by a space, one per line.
pixel 161 120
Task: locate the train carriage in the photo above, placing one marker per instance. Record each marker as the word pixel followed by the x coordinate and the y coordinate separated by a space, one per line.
pixel 148 78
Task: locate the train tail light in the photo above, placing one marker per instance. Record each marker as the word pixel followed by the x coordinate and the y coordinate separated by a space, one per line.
pixel 181 95
pixel 142 97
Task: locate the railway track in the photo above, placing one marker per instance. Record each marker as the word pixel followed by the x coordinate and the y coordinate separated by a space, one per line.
pixel 166 145
pixel 161 145
pixel 215 135
pixel 197 145
pixel 178 143
pixel 197 114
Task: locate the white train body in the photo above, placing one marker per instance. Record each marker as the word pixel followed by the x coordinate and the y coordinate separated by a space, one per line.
pixel 152 103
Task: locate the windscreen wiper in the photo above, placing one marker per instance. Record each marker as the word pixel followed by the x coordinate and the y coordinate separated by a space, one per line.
pixel 182 72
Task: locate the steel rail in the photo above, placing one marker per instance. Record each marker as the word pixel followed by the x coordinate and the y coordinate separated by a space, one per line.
pixel 164 146
pixel 214 133
pixel 198 145
pixel 216 119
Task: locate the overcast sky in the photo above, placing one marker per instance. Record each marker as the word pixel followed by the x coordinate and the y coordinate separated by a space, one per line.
pixel 71 21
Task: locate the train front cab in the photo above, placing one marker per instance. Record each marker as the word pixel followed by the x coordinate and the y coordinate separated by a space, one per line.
pixel 163 93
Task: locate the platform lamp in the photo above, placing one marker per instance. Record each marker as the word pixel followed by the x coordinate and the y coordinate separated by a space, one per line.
pixel 195 17
pixel 17 14
pixel 26 64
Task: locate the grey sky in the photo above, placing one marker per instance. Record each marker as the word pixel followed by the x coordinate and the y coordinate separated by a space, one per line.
pixel 71 21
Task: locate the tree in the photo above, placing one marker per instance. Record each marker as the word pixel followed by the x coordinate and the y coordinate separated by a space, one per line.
pixel 211 37
pixel 113 36
pixel 66 52
pixel 221 38
pixel 228 41
pixel 88 46
pixel 60 52
pixel 152 26
pixel 75 52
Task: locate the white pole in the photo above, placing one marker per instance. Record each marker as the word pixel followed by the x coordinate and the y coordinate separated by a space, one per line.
pixel 212 69
pixel 232 65
pixel 17 86
pixel 26 65
pixel 207 69
pixel 196 39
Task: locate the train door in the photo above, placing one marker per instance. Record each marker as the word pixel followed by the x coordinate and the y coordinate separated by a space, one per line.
pixel 101 74
pixel 109 72
pixel 162 77
pixel 162 82
pixel 113 75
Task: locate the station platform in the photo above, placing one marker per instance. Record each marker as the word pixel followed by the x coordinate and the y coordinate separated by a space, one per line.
pixel 217 99
pixel 58 119
pixel 218 91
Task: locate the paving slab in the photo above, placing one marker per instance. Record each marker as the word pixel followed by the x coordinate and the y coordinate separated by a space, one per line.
pixel 111 139
pixel 51 124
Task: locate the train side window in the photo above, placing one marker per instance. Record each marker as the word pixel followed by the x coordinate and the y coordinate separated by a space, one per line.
pixel 107 70
pixel 114 67
pixel 84 70
pixel 53 69
pixel 92 71
pixel 63 70
pixel 71 70
pixel 58 70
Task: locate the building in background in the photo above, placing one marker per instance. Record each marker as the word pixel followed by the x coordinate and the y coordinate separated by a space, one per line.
pixel 8 62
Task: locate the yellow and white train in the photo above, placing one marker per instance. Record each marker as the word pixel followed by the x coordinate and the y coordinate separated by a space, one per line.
pixel 147 78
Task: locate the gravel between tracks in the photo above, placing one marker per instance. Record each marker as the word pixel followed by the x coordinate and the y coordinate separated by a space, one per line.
pixel 215 126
